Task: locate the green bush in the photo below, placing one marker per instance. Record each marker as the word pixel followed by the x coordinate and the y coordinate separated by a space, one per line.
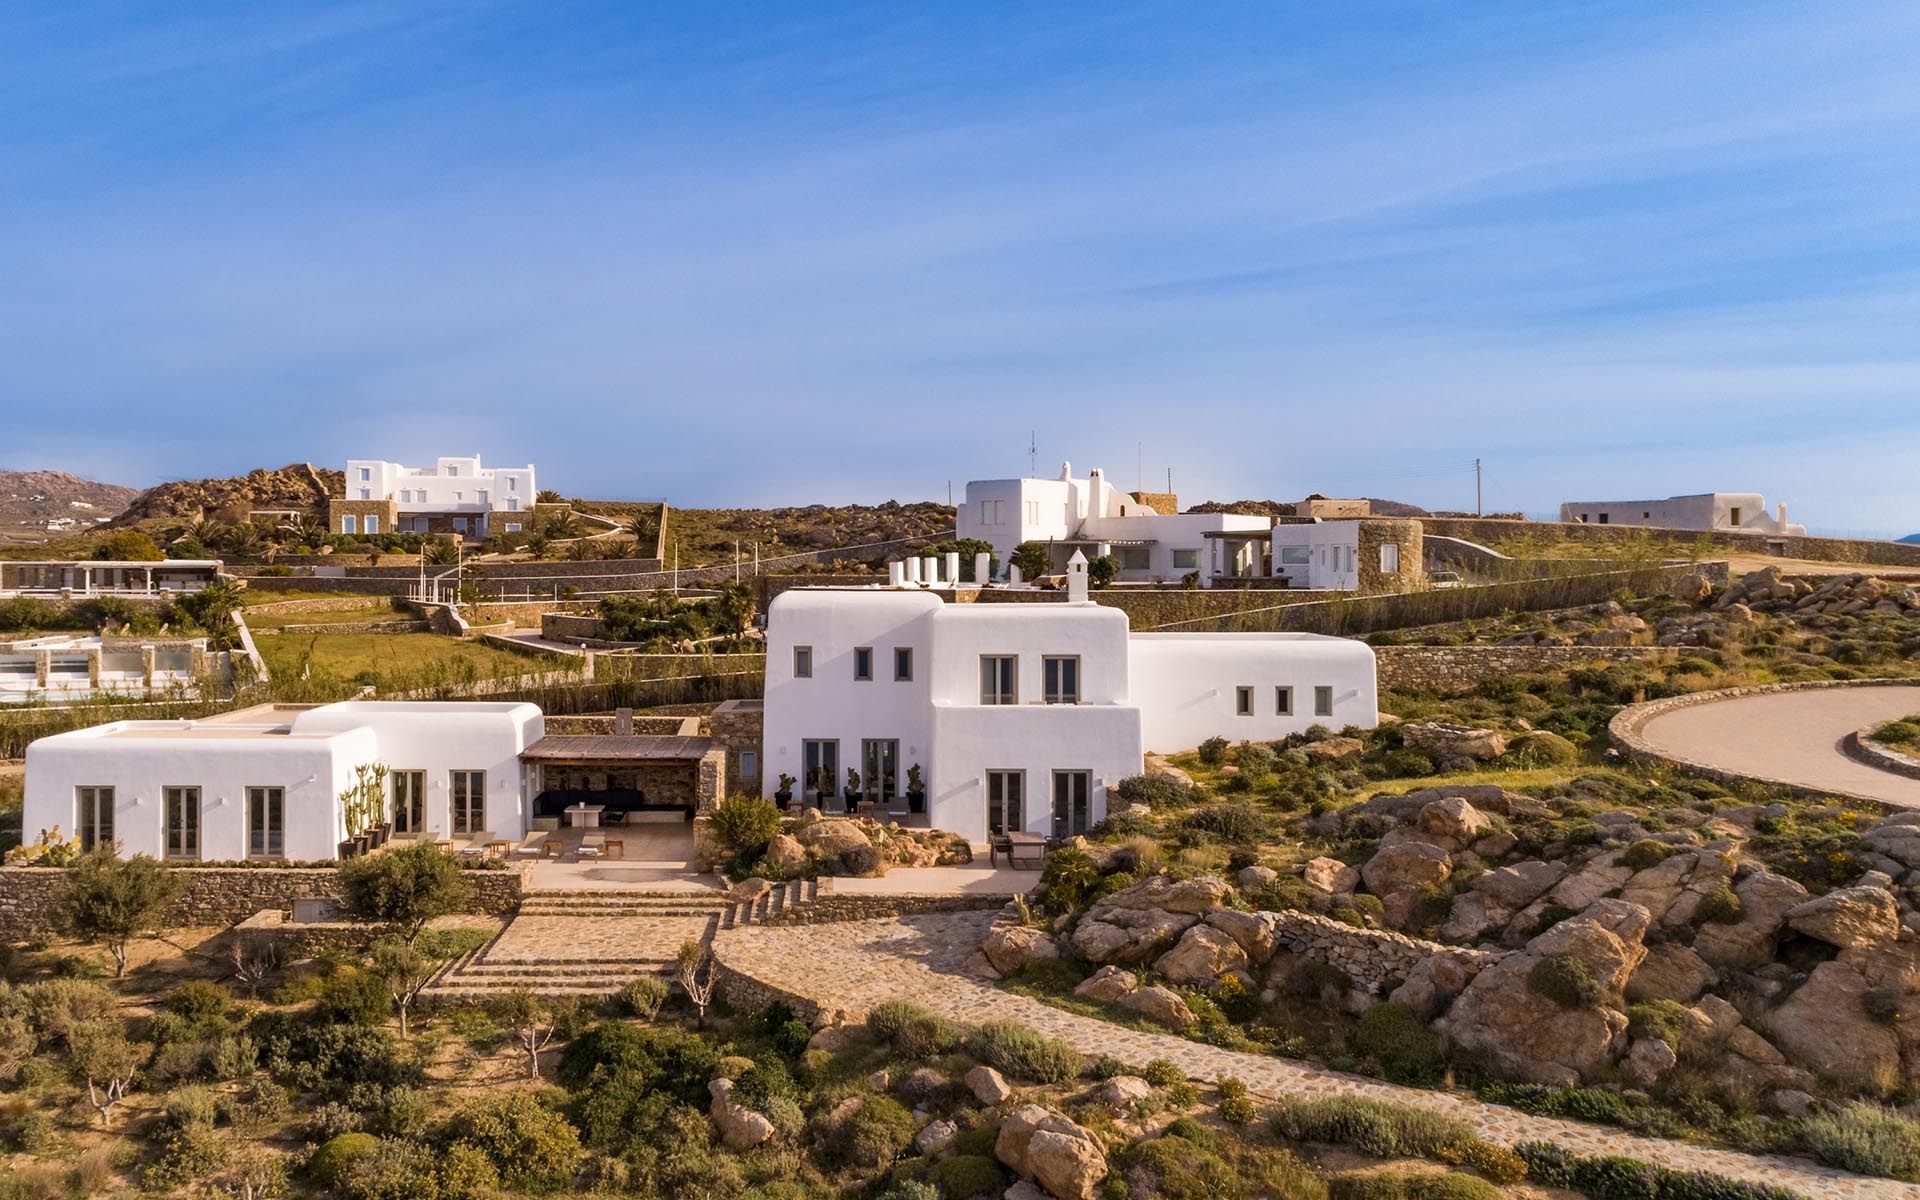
pixel 1393 1185
pixel 1161 1073
pixel 914 1031
pixel 1645 853
pixel 530 1146
pixel 201 1003
pixel 761 1084
pixel 1906 729
pixel 333 1160
pixel 1665 1019
pixel 1374 1127
pixel 744 824
pixel 1541 748
pixel 355 997
pixel 1236 1104
pixel 1025 1052
pixel 643 995
pixel 1867 1139
pixel 877 1133
pixel 672 1060
pixel 1565 980
pixel 1157 791
pixel 1213 751
pixel 1618 1178
pixel 1064 882
pixel 967 1175
pixel 1235 824
pixel 1721 905
pixel 1395 1036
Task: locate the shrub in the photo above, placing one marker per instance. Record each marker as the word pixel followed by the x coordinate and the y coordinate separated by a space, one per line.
pixel 967 1175
pixel 1392 1185
pixel 1907 729
pixel 188 1153
pixel 1659 1018
pixel 1394 1036
pixel 1024 1052
pixel 1375 1127
pixel 1157 791
pixel 672 1060
pixel 1867 1139
pixel 761 1084
pixel 1238 824
pixel 1542 749
pixel 912 1030
pixel 1254 758
pixel 334 1159
pixel 1645 853
pixel 877 1133
pixel 1064 882
pixel 201 1003
pixel 1721 905
pixel 1161 1073
pixel 1565 980
pixel 1213 751
pixel 1236 1105
pixel 1617 1178
pixel 912 1189
pixel 355 997
pixel 1884 1003
pixel 744 824
pixel 642 996
pixel 529 1145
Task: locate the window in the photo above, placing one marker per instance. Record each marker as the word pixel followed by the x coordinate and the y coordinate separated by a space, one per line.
pixel 748 765
pixel 1133 558
pixel 409 801
pixel 1072 801
pixel 820 781
pixel 513 527
pixel 1033 512
pixel 366 493
pixel 349 525
pixel 513 483
pixel 1735 515
pixel 452 471
pixel 1243 701
pixel 1283 702
pixel 1322 701
pixel 373 524
pixel 1646 516
pixel 1295 556
pixel 513 504
pixel 902 663
pixel 95 823
pixel 459 496
pixel 266 822
pixel 1390 558
pixel 1006 795
pixel 880 769
pixel 1603 518
pixel 999 679
pixel 1186 560
pixel 986 512
pixel 182 806
pixel 803 662
pixel 366 473
pixel 1060 679
pixel 863 662
pixel 469 790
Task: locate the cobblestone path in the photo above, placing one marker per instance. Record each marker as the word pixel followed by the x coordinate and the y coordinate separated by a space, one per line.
pixel 857 964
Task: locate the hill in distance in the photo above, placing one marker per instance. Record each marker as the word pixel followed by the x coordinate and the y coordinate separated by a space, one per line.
pixel 1912 539
pixel 37 504
pixel 298 486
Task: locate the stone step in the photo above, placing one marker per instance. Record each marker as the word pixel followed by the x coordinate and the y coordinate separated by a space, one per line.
pixel 603 967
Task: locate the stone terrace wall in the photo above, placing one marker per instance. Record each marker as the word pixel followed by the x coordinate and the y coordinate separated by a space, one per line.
pixel 1860 746
pixel 1822 549
pixel 1377 960
pixel 322 604
pixel 832 907
pixel 1459 668
pixel 30 896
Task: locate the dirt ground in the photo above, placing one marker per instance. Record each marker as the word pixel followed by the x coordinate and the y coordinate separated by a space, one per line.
pixel 1743 564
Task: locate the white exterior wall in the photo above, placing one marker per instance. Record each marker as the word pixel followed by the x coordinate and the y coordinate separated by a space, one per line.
pixel 1138 692
pixel 1711 511
pixel 435 490
pixel 1187 685
pixel 1179 531
pixel 1333 555
pixel 312 756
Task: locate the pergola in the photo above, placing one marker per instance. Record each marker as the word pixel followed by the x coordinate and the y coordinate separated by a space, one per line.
pixel 624 773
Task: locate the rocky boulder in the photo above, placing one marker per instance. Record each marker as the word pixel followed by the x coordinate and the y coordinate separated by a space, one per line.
pixel 1011 947
pixel 740 1128
pixel 1765 900
pixel 1453 746
pixel 988 1086
pixel 1432 984
pixel 1128 935
pixel 1848 918
pixel 1202 956
pixel 1066 1159
pixel 833 837
pixel 1253 931
pixel 1328 877
pixel 1406 866
pixel 786 853
pixel 1452 823
pixel 1106 985
pixel 1159 1004
pixel 1824 1026
pixel 1670 971
pixel 1193 897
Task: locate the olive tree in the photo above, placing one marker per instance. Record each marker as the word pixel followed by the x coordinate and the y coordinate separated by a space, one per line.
pixel 403 888
pixel 111 900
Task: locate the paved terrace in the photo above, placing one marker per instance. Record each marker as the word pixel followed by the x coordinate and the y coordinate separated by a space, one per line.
pixel 858 964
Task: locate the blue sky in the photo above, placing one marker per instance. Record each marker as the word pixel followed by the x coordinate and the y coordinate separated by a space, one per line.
pixel 746 254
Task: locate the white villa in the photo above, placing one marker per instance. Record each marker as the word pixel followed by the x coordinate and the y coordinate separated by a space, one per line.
pixel 1144 531
pixel 265 782
pixel 1716 512
pixel 57 667
pixel 1022 716
pixel 455 496
pixel 74 579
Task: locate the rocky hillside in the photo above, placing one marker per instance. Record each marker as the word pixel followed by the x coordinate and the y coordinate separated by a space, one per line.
pixel 1276 508
pixel 36 503
pixel 297 486
pixel 707 535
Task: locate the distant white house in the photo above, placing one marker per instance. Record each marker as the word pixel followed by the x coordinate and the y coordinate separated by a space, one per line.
pixel 264 782
pixel 1022 716
pixel 455 496
pixel 1715 512
pixel 1142 531
pixel 61 667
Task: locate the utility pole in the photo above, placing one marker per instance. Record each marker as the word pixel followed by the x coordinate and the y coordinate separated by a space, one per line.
pixel 1477 506
pixel 1033 453
pixel 736 560
pixel 1140 466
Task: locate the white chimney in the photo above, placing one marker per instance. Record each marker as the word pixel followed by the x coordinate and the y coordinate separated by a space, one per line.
pixel 1066 470
pixel 982 567
pixel 1013 575
pixel 896 574
pixel 1077 578
pixel 953 567
pixel 912 566
pixel 930 570
pixel 1782 518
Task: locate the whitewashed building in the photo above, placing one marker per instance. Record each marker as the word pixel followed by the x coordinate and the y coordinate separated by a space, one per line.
pixel 1149 540
pixel 56 668
pixel 1021 716
pixel 75 579
pixel 1715 512
pixel 455 496
pixel 264 783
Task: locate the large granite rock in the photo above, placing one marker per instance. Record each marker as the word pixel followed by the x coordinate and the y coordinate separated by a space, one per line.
pixel 1195 897
pixel 988 1086
pixel 740 1128
pixel 1848 918
pixel 1670 972
pixel 1452 823
pixel 1433 984
pixel 1011 947
pixel 1765 900
pixel 1128 935
pixel 1824 1027
pixel 1202 956
pixel 1066 1159
pixel 1106 985
pixel 1517 885
pixel 1163 1005
pixel 786 853
pixel 1451 744
pixel 833 837
pixel 1407 866
pixel 1253 931
pixel 1328 877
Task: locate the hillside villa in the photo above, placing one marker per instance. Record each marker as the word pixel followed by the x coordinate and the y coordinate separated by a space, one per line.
pixel 1714 512
pixel 456 497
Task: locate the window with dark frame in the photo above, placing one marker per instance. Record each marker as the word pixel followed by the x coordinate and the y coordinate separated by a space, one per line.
pixel 902 664
pixel 95 820
pixel 863 662
pixel 999 679
pixel 1243 701
pixel 1060 678
pixel 182 806
pixel 803 662
pixel 469 790
pixel 1322 701
pixel 1283 701
pixel 266 822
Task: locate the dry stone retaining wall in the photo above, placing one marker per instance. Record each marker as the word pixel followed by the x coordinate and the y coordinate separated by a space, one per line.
pixel 30 897
pixel 1457 668
pixel 1860 746
pixel 831 907
pixel 1377 960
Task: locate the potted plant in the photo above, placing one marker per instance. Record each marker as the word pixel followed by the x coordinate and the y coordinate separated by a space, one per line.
pixel 853 794
pixel 783 791
pixel 916 790
pixel 822 786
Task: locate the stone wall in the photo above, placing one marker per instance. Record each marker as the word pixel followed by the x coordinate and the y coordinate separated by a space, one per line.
pixel 30 896
pixel 1376 532
pixel 1860 746
pixel 360 627
pixel 1820 549
pixel 737 727
pixel 604 724
pixel 1377 960
pixel 322 604
pixel 569 627
pixel 831 907
pixel 1460 668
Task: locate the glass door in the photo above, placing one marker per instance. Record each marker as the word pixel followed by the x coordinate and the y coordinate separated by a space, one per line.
pixel 1005 796
pixel 409 801
pixel 1072 802
pixel 880 769
pixel 820 779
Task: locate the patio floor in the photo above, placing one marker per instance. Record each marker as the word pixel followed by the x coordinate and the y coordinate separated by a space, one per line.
pixel 654 854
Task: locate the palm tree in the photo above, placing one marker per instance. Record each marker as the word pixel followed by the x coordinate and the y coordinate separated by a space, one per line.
pixel 562 524
pixel 641 526
pixel 546 496
pixel 244 538
pixel 537 545
pixel 440 551
pixel 307 530
pixel 205 530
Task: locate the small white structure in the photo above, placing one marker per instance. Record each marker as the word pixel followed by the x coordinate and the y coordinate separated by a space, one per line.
pixel 1093 516
pixel 1022 716
pixel 81 578
pixel 1715 512
pixel 265 782
pixel 454 496
pixel 63 667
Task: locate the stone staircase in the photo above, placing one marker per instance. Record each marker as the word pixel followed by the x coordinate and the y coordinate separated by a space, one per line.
pixel 591 942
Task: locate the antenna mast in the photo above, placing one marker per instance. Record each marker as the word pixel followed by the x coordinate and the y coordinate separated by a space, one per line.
pixel 1033 453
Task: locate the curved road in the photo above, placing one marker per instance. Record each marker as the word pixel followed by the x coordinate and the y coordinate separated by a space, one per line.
pixel 1791 737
